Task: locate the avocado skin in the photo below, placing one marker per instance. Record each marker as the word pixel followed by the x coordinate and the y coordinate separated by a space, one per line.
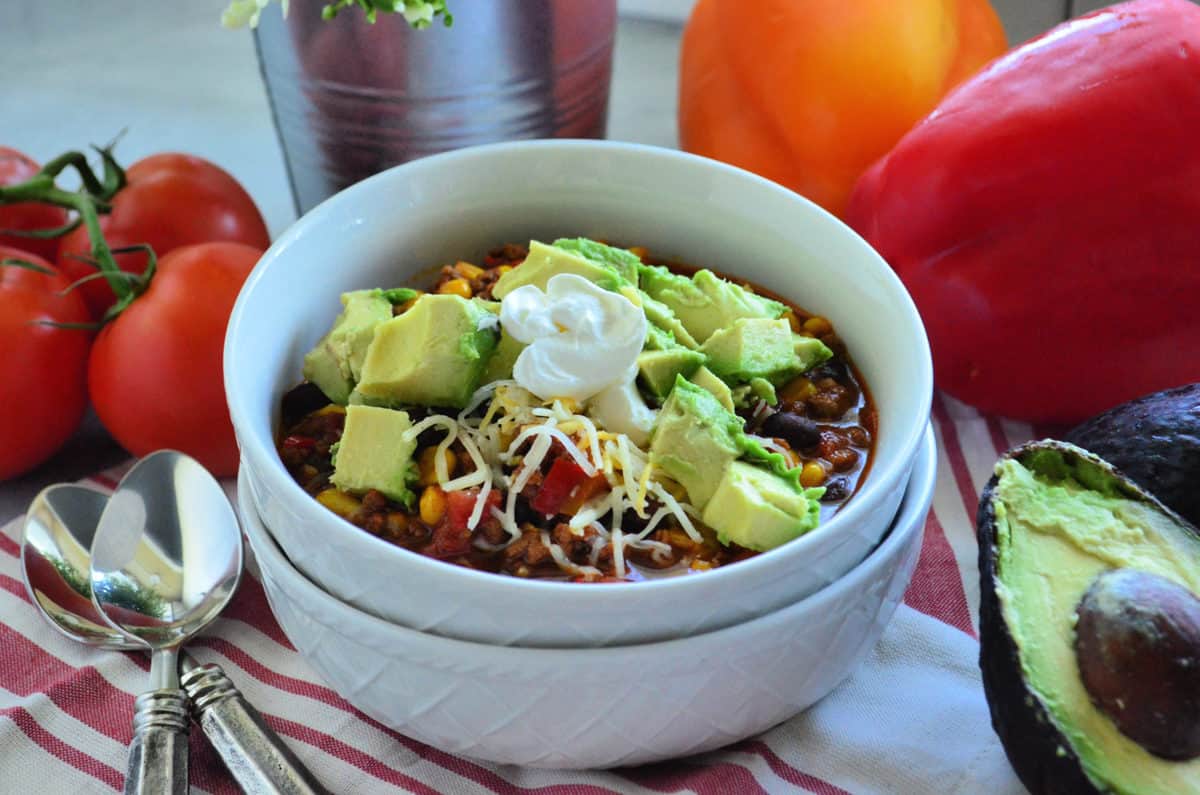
pixel 1155 441
pixel 1029 737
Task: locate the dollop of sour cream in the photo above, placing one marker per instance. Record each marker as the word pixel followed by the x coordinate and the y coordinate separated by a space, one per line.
pixel 580 338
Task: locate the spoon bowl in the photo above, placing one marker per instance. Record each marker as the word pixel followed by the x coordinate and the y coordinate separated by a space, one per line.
pixel 56 559
pixel 167 552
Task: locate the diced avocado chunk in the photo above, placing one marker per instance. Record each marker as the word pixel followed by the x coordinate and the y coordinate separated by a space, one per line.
pixel 764 390
pixel 500 363
pixel 375 452
pixel 335 364
pixel 657 369
pixel 432 355
pixel 707 380
pixel 757 509
pixel 705 302
pixel 545 261
pixel 694 439
pixel 753 348
pixel 661 316
pixel 622 260
pixel 659 340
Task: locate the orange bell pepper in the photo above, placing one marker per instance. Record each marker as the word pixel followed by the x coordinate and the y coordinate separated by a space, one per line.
pixel 809 93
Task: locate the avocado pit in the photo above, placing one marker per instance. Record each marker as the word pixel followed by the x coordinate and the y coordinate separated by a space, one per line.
pixel 1137 644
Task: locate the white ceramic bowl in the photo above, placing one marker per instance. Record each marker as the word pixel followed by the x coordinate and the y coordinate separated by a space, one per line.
pixel 388 229
pixel 604 707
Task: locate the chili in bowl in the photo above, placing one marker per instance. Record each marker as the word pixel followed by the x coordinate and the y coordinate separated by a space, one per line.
pixel 534 477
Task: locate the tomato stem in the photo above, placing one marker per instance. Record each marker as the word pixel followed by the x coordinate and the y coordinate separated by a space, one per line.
pixel 93 198
pixel 27 265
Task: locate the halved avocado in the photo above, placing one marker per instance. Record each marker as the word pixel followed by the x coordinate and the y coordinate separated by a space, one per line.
pixel 1155 441
pixel 1055 522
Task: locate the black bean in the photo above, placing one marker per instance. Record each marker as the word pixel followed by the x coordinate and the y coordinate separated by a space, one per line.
pixel 833 368
pixel 836 490
pixel 799 432
pixel 300 401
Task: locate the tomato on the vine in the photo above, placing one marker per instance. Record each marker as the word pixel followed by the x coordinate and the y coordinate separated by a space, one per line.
pixel 155 374
pixel 15 167
pixel 43 370
pixel 169 200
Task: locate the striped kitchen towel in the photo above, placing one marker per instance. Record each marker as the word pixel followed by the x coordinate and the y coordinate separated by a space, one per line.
pixel 911 720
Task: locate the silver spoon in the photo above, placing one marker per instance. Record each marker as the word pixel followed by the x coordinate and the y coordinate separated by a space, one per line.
pixel 56 558
pixel 166 558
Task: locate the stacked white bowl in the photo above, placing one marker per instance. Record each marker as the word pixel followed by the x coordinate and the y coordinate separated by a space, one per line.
pixel 563 674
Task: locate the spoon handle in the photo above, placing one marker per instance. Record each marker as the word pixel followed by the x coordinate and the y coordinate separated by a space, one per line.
pixel 158 755
pixel 258 759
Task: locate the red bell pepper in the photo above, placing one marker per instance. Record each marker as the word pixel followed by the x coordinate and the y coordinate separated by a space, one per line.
pixel 1046 217
pixel 565 488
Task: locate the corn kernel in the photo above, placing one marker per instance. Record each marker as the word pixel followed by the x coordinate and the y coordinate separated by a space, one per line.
pixel 459 287
pixel 468 271
pixel 332 408
pixel 503 269
pixel 797 390
pixel 700 564
pixel 338 501
pixel 427 465
pixel 794 322
pixel 818 326
pixel 432 505
pixel 812 474
pixel 639 251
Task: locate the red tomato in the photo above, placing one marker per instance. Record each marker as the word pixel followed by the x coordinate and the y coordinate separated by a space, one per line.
pixel 451 537
pixel 171 200
pixel 16 167
pixel 43 375
pixel 460 505
pixel 155 374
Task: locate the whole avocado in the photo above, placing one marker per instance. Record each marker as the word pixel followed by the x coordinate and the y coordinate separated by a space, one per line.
pixel 1046 538
pixel 1155 441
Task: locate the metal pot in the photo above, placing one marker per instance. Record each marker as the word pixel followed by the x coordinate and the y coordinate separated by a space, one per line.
pixel 351 98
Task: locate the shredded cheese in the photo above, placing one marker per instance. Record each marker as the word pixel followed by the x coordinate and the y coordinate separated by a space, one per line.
pixel 626 461
pixel 770 444
pixel 515 418
pixel 680 515
pixel 565 563
pixel 548 432
pixel 593 438
pixel 481 394
pixel 480 501
pixel 618 547
pixel 590 512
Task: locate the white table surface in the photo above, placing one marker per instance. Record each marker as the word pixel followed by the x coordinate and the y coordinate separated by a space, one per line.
pixel 170 77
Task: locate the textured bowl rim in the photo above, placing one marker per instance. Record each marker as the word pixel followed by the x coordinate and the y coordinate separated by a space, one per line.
pixel 265 460
pixel 909 522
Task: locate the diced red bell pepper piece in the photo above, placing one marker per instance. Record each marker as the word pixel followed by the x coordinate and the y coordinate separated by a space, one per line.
pixel 564 477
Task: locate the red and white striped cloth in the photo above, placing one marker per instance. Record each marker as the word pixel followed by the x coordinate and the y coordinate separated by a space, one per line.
pixel 911 720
